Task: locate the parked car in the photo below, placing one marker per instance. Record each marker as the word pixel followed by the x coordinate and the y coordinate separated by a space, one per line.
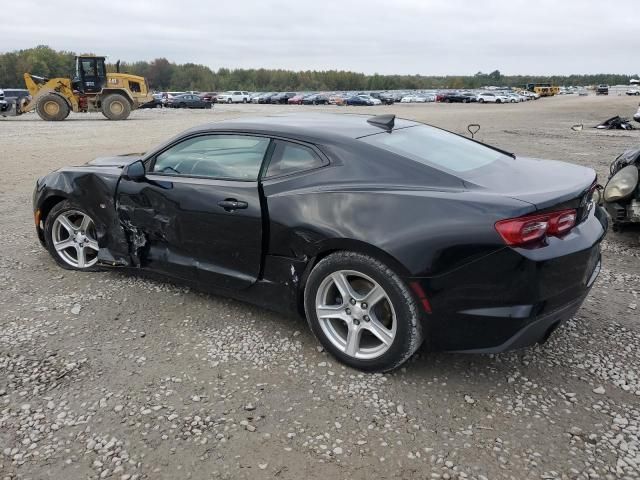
pixel 316 99
pixel 296 99
pixel 491 97
pixel 157 102
pixel 337 100
pixel 188 101
pixel 385 98
pixel 602 90
pixel 273 211
pixel 633 91
pixel 458 97
pixel 413 99
pixel 357 100
pixel 266 98
pixel 513 97
pixel 234 96
pixel 282 98
pixel 209 97
pixel 369 98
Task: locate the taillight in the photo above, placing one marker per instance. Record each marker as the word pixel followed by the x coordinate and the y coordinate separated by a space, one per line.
pixel 531 228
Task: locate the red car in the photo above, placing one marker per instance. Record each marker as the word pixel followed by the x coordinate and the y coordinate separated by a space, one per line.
pixel 297 100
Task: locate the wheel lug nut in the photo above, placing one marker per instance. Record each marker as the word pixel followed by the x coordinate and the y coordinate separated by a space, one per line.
pixel 352 301
pixel 364 305
pixel 348 311
pixel 356 321
pixel 366 318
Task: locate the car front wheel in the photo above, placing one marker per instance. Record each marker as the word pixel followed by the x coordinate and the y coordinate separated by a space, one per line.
pixel 362 312
pixel 70 236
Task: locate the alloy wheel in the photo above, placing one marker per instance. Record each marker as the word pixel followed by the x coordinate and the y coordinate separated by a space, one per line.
pixel 74 239
pixel 356 314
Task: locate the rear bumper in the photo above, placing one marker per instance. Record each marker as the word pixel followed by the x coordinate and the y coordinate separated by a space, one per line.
pixel 513 298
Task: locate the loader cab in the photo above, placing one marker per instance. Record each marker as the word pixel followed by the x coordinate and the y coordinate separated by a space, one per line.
pixel 91 74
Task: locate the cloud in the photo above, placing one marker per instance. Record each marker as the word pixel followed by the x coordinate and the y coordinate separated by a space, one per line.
pixel 403 36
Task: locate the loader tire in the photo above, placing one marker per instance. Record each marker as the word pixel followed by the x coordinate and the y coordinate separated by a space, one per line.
pixel 52 108
pixel 116 107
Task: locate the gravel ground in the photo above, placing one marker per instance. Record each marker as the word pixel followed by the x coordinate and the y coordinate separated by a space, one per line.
pixel 108 375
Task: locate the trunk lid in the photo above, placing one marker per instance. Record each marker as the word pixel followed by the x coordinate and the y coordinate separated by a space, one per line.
pixel 545 184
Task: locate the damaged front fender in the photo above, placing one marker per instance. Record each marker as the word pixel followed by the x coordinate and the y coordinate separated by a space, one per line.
pixel 92 189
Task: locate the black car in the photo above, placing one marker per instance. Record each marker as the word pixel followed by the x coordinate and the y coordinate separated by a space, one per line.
pixel 384 232
pixel 266 97
pixel 458 97
pixel 282 98
pixel 316 99
pixel 385 98
pixel 188 100
pixel 357 100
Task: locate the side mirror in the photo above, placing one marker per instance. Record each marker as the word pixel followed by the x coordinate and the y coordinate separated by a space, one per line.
pixel 134 171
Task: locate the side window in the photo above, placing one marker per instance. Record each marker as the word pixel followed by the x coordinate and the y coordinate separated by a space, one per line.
pixel 290 158
pixel 226 157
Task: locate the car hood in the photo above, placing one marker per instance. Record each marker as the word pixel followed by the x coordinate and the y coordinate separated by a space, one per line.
pixel 543 183
pixel 116 161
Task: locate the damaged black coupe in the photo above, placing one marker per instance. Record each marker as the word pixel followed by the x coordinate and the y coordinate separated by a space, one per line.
pixel 383 232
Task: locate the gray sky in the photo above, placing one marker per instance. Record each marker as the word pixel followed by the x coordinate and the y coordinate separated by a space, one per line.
pixel 392 36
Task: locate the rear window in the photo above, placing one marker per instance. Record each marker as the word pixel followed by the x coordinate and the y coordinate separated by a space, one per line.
pixel 436 148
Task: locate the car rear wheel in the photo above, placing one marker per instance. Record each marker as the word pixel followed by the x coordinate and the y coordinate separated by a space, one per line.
pixel 229 100
pixel 362 312
pixel 70 236
pixel 481 100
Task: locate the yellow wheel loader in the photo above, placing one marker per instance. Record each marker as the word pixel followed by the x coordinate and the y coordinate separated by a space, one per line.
pixel 91 90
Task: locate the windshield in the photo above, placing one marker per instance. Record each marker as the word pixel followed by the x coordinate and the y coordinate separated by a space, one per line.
pixel 436 148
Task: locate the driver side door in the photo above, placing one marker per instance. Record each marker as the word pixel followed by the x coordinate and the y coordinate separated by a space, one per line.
pixel 199 209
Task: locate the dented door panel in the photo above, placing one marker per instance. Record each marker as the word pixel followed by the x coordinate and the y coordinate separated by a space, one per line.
pixel 175 225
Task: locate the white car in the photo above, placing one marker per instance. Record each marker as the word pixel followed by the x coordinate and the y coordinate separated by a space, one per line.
pixel 409 99
pixel 514 97
pixel 234 96
pixel 371 100
pixel 633 91
pixel 490 97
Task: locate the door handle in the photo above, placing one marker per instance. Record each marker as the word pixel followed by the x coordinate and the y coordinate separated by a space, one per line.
pixel 231 204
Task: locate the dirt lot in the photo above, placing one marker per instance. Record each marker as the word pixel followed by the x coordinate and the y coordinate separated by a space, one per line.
pixel 107 375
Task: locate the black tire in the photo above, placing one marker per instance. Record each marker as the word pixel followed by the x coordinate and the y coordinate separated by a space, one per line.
pixel 52 108
pixel 116 107
pixel 57 210
pixel 229 100
pixel 481 100
pixel 408 336
pixel 498 100
pixel 244 100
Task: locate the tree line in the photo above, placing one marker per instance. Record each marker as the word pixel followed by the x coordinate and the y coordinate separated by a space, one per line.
pixel 165 75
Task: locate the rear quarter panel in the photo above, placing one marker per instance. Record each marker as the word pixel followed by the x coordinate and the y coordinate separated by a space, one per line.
pixel 427 232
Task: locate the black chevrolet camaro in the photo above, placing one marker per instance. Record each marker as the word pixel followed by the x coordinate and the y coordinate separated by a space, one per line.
pixel 383 232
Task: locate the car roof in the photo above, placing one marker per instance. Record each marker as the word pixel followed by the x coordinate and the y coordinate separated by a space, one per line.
pixel 317 126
